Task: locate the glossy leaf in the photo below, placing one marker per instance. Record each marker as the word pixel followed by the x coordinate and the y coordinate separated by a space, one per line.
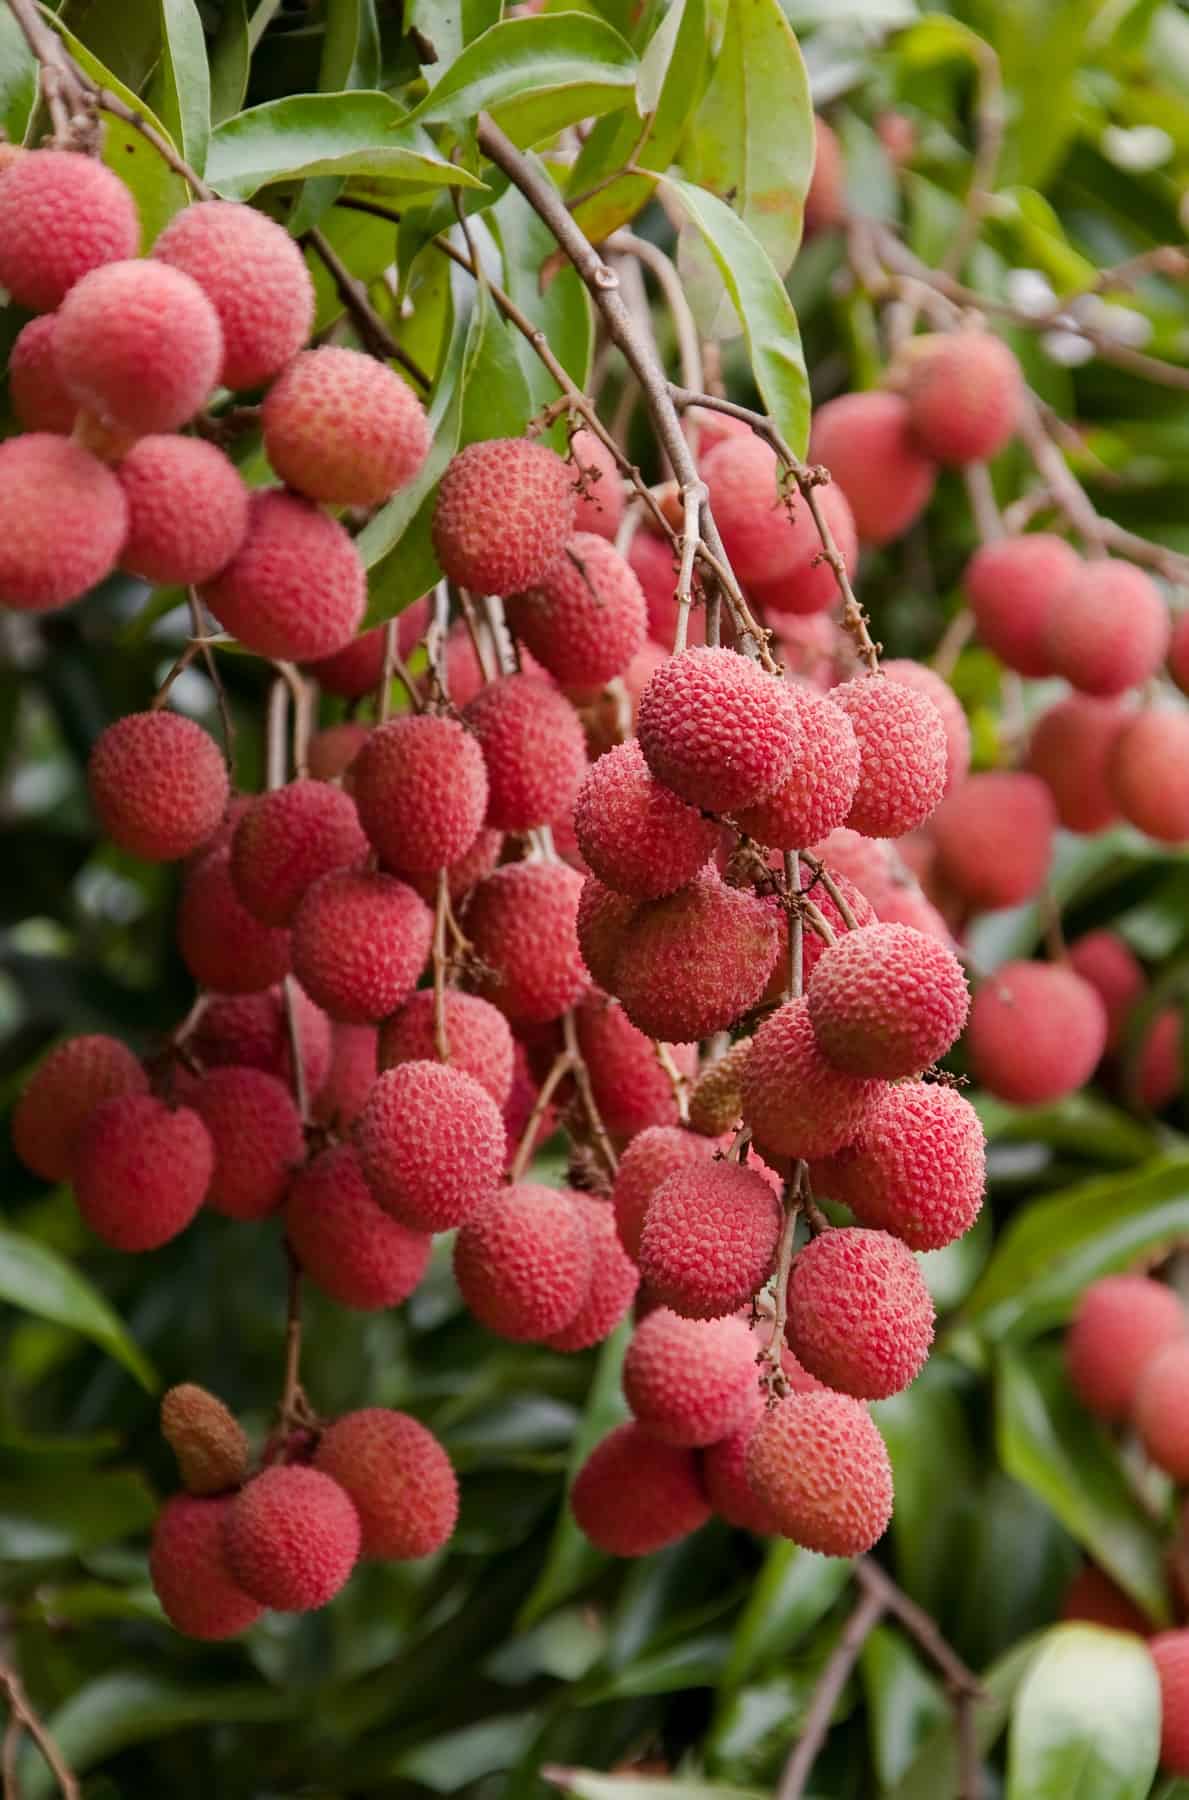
pixel 1040 44
pixel 935 1472
pixel 36 1279
pixel 904 1702
pixel 127 38
pixel 935 1772
pixel 231 57
pixel 562 311
pixel 43 1518
pixel 1086 1721
pixel 587 1784
pixel 350 47
pixel 184 80
pixel 18 79
pixel 792 1592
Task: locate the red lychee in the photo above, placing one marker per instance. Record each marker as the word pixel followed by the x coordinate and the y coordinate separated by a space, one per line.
pixel 650 1159
pixel 504 511
pixel 431 1144
pixel 158 784
pixel 1122 1322
pixel 291 1537
pixel 420 784
pixel 532 744
pixel 811 585
pixel 818 1462
pixel 825 202
pixel 860 1316
pixel 141 1171
pixel 225 947
pixel 717 730
pixel 1108 628
pixel 1147 773
pixel 1036 1032
pixel 360 942
pixel 654 565
pixel 187 509
pixel 1170 1652
pixel 1161 1072
pixel 866 442
pixel 602 923
pixel 358 669
pixel 521 923
pixel 600 498
pixel 252 1030
pixel 208 1441
pixel 523 1262
pixel 818 793
pixel 63 1092
pixel 963 390
pixel 345 1241
pixel 690 964
pixel 1159 1412
pixel 796 1102
pixel 957 729
pixel 1104 960
pixel 919 1168
pixel 470 869
pixel 724 1476
pixel 887 1000
pixel 40 398
pixel 189 1571
pixel 343 428
pixel 903 754
pixel 288 838
pixel 634 1494
pixel 256 1132
pixel 332 750
pixel 613 1280
pixel 63 521
pixel 585 617
pixel 399 1479
pixel 768 533
pixel 1178 645
pixel 1092 1598
pixel 62 214
pixel 1071 749
pixel 296 589
pixel 689 1381
pixel 632 1090
pixel 139 345
pixel 254 276
pixel 480 1042
pixel 994 838
pixel 635 833
pixel 709 1238
pixel 1010 585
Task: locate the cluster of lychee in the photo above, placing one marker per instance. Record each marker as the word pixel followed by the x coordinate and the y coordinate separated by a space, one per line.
pixel 286 1535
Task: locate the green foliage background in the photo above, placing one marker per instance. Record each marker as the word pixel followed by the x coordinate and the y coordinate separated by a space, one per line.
pixel 522 1648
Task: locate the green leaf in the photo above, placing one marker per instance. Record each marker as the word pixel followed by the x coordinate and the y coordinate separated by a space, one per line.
pixel 1084 1123
pixel 904 1704
pixel 1086 1721
pixel 535 76
pixel 732 147
pixel 350 47
pixel 1056 1247
pixel 1050 1443
pixel 326 134
pixel 587 1784
pixel 563 311
pixel 185 80
pixel 43 1517
pixel 36 1279
pixel 231 60
pixel 935 1472
pixel 127 37
pixel 935 1774
pixel 18 79
pixel 764 309
pixel 792 1593
pixel 1040 44
pixel 496 398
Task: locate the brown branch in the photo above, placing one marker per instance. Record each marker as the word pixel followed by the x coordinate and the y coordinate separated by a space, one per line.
pixel 375 336
pixel 594 1119
pixel 68 94
pixel 822 874
pixel 772 1376
pixel 858 1628
pixel 292 1405
pixel 677 1081
pixel 441 1037
pixel 23 1715
pixel 796 977
pixel 563 1063
pixel 199 628
pixel 689 344
pixel 920 1626
pixel 970 1762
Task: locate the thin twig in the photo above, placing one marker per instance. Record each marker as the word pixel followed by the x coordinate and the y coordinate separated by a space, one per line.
pixel 796 974
pixel 692 499
pixel 8 1757
pixel 970 1762
pixel 275 747
pixel 858 1628
pixel 594 1119
pixel 199 628
pixel 373 333
pixel 441 1036
pixel 562 1065
pixel 303 713
pixel 689 343
pixel 290 1405
pixel 822 874
pixel 772 1376
pixel 918 1623
pixel 22 1710
pixel 677 1081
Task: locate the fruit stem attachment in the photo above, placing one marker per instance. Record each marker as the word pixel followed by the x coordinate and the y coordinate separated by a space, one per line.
pixel 562 1064
pixel 820 873
pixel 677 1081
pixel 773 1379
pixel 594 1120
pixel 292 1408
pixel 792 875
pixel 199 628
pixel 441 1036
pixel 23 1717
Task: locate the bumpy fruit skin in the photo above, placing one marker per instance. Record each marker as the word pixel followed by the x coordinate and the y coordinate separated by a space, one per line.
pixel 709 1239
pixel 585 618
pixel 210 1444
pixel 903 755
pixel 1161 1073
pixel 963 390
pixel 256 1131
pixel 224 946
pixel 360 942
pixel 860 1316
pixel 1170 1652
pixel 613 1280
pixel 866 442
pixel 717 730
pixel 187 509
pixel 480 1042
pixel 1108 629
pixel 189 1571
pixel 1071 749
pixel 690 964
pixel 40 398
pixel 292 1537
pixel 887 1000
pixel 631 1089
pixel 1036 1032
pixel 1104 960
pixel 1158 1410
pixel 600 499
pixel 141 1171
pixel 521 922
pixel 650 1159
pixel 724 1476
pixel 994 838
pixel 819 791
pixel 504 511
pixel 345 1241
pixel 716 1103
pixel 813 946
pixel 398 1477
pixel 957 729
pixel 810 586
pixel 653 564
pixel 254 276
pixel 523 1262
pixel 138 344
pixel 919 1169
pixel 518 1107
pixel 533 746
pixel 61 215
pixel 1010 585
pixel 333 750
pixel 637 836
pixel 158 785
pixel 765 537
pixel 296 589
pixel 1147 773
pixel 1092 1598
pixel 796 1102
pixel 63 521
pixel 634 1494
pixel 431 1144
pixel 603 920
pixel 818 1462
pixel 251 1030
pixel 1121 1324
pixel 420 784
pixel 286 839
pixel 63 1092
pixel 342 428
pixel 358 669
pixel 689 1381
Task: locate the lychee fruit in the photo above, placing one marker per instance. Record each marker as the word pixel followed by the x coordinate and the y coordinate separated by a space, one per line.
pixel 254 276
pixel 994 838
pixel 652 561
pixel 62 214
pixel 63 1092
pixel 332 750
pixel 887 1000
pixel 1108 628
pixel 903 754
pixel 292 1538
pixel 1092 1598
pixel 399 1479
pixel 819 1464
pixel 158 784
pixel 1178 644
pixel 614 1279
pixel 1104 960
pixel 431 1144
pixel 724 1476
pixel 40 398
pixel 1120 1325
pixel 141 1171
pixel 603 919
pixel 353 1068
pixel 420 784
pixel 1170 1652
pixel 504 511
pixel 1036 1032
pixel 690 964
pixel 768 532
pixel 189 1570
pixel 521 923
pixel 825 201
pixel 859 1313
pixel 187 509
pixel 709 1238
pixel 811 585
pixel 296 589
pixel 343 428
pixel 1147 773
pixel 716 1103
pixel 963 390
pixel 867 443
pixel 689 1381
pixel 585 617
pixel 358 669
pixel 817 794
pixel 635 1494
pixel 345 1241
pixel 252 1030
pixel 480 1042
pixel 600 497
pixel 652 1157
pixel 63 521
pixel 256 1131
pixel 717 730
pixel 225 947
pixel 1071 749
pixel 635 833
pixel 360 942
pixel 632 1090
pixel 523 1262
pixel 919 1168
pixel 208 1441
pixel 138 344
pixel 1159 1412
pixel 957 728
pixel 1161 1072
pixel 796 1102
pixel 532 744
pixel 288 838
pixel 470 869
pixel 1010 586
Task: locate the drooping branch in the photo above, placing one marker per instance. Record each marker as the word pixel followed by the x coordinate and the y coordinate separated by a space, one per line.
pixel 23 1716
pixel 374 335
pixel 858 1628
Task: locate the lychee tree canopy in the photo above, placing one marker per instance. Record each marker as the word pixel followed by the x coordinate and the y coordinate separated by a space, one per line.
pixel 521 1652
